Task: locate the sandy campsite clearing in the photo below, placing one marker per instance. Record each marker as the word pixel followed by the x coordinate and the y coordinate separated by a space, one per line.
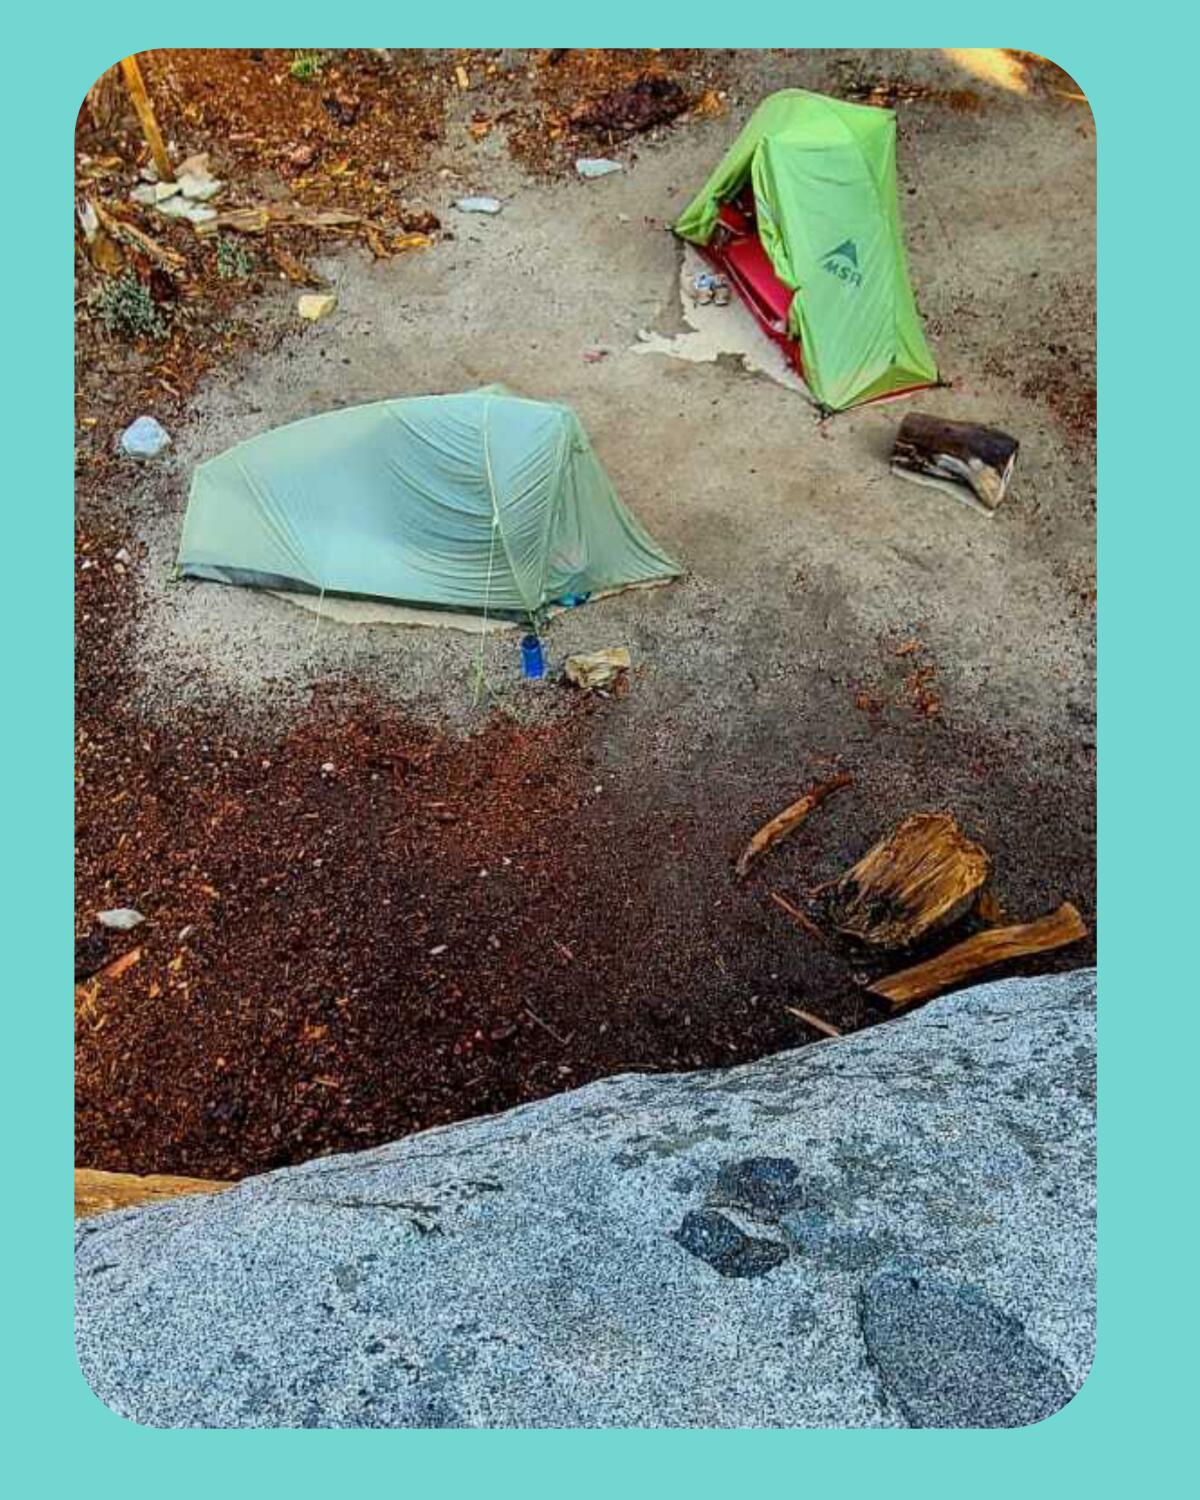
pixel 374 902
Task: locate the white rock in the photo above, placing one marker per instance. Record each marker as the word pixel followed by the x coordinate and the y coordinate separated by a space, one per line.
pixel 145 438
pixel 120 918
pixel 315 305
pixel 478 205
pixel 597 166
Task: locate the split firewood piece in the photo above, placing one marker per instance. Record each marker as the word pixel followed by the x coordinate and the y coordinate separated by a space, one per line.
pixel 103 1192
pixel 783 823
pixel 923 876
pixel 972 463
pixel 997 945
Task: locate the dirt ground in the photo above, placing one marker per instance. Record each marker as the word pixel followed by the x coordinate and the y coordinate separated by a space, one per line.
pixel 374 904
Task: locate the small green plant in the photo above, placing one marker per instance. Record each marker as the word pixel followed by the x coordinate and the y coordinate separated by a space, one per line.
pixel 306 66
pixel 127 309
pixel 234 261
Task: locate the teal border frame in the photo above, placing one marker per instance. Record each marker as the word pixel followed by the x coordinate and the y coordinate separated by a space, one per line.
pixel 1127 1427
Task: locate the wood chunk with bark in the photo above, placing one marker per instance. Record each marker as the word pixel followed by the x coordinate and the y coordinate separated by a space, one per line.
pixel 922 877
pixel 972 463
pixel 783 823
pixel 997 945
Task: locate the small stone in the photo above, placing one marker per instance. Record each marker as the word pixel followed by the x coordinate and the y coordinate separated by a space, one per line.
pixel 315 305
pixel 198 189
pixel 122 556
pixel 328 768
pixel 441 948
pixel 180 207
pixel 144 438
pixel 597 166
pixel 186 932
pixel 120 918
pixel 478 205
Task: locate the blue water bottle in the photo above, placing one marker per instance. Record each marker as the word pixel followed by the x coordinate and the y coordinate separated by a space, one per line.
pixel 533 663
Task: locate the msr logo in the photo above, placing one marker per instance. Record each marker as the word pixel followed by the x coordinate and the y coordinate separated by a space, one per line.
pixel 843 263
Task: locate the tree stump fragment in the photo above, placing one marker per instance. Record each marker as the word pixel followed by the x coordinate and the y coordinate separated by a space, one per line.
pixel 922 877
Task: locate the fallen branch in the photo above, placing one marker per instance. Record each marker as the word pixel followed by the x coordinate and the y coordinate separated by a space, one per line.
pixel 983 951
pixel 814 1021
pixel 259 219
pixel 121 229
pixel 783 823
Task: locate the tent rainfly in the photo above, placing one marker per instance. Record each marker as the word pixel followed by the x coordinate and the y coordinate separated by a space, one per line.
pixel 802 216
pixel 478 502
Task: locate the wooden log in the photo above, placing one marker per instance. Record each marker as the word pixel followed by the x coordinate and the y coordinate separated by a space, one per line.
pixel 972 463
pixel 104 1192
pixel 983 951
pixel 783 823
pixel 132 75
pixel 923 876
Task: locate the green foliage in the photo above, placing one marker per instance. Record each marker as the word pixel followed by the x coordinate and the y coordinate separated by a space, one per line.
pixel 234 260
pixel 127 309
pixel 306 66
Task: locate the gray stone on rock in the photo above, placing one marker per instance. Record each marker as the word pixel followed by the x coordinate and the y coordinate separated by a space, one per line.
pixel 950 1357
pixel 894 1228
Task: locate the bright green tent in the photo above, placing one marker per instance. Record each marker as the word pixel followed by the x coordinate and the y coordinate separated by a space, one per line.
pixel 478 502
pixel 823 177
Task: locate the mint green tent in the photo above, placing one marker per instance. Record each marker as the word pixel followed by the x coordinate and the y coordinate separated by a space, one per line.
pixel 801 214
pixel 478 502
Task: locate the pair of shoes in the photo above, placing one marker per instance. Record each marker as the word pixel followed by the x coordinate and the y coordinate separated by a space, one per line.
pixel 707 288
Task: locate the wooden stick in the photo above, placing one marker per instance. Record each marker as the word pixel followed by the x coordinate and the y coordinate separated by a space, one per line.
pixel 783 823
pixel 814 1021
pixel 132 75
pixel 983 951
pixel 799 917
